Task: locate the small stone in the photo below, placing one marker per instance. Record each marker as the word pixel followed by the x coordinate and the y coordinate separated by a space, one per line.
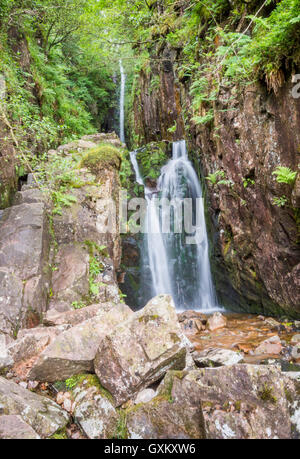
pixel 272 323
pixel 60 398
pixel 145 396
pixel 32 385
pixel 216 321
pixel 269 346
pixel 296 352
pixel 295 339
pixel 23 384
pixel 67 405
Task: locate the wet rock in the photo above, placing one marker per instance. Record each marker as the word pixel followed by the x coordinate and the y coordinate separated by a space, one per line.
pixel 216 321
pixel 217 357
pixel 269 346
pixel 94 411
pixel 145 396
pixel 192 326
pixel 141 350
pixel 231 409
pixel 41 413
pixel 74 350
pixel 272 323
pixel 13 427
pixel 191 314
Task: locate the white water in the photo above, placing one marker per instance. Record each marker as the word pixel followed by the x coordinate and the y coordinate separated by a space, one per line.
pixel 122 98
pixel 170 265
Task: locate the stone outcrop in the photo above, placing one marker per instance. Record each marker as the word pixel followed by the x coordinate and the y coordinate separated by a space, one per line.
pixel 42 414
pixel 24 245
pixel 141 350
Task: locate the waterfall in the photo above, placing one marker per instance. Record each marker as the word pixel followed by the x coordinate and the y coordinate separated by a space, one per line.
pixel 169 263
pixel 122 98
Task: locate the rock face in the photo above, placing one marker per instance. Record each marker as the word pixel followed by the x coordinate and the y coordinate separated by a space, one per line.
pixel 13 427
pixel 41 413
pixel 74 350
pixel 256 260
pixel 141 350
pixel 23 256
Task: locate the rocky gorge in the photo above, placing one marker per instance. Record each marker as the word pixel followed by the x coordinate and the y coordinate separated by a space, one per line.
pixel 77 363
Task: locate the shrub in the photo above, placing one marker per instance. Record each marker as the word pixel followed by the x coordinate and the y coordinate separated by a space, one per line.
pixel 102 157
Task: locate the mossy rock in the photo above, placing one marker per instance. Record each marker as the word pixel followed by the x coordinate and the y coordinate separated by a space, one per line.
pixel 103 157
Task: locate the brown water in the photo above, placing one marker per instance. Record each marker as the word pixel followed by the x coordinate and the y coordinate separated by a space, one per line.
pixel 244 332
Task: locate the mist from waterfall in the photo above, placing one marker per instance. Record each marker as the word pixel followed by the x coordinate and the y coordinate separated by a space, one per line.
pixel 122 102
pixel 169 263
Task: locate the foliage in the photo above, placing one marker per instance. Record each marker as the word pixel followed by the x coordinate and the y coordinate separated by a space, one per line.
pixel 60 200
pixel 280 202
pixel 151 158
pixel 284 175
pixel 218 178
pixel 96 267
pixel 78 305
pixel 248 181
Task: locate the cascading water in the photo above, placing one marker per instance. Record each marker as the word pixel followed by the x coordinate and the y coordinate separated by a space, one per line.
pixel 169 263
pixel 122 98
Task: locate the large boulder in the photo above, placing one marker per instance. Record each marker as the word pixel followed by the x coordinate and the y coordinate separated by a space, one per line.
pixel 74 350
pixel 12 427
pixel 139 351
pixel 170 415
pixel 238 401
pixel 93 409
pixel 41 413
pixel 29 344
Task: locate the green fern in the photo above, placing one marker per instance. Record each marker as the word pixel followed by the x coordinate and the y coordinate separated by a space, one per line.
pixel 284 175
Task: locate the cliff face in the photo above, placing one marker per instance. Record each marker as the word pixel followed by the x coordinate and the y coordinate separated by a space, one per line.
pixel 255 257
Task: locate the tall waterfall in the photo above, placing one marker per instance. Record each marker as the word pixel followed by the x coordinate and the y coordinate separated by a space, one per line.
pixel 169 263
pixel 122 98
